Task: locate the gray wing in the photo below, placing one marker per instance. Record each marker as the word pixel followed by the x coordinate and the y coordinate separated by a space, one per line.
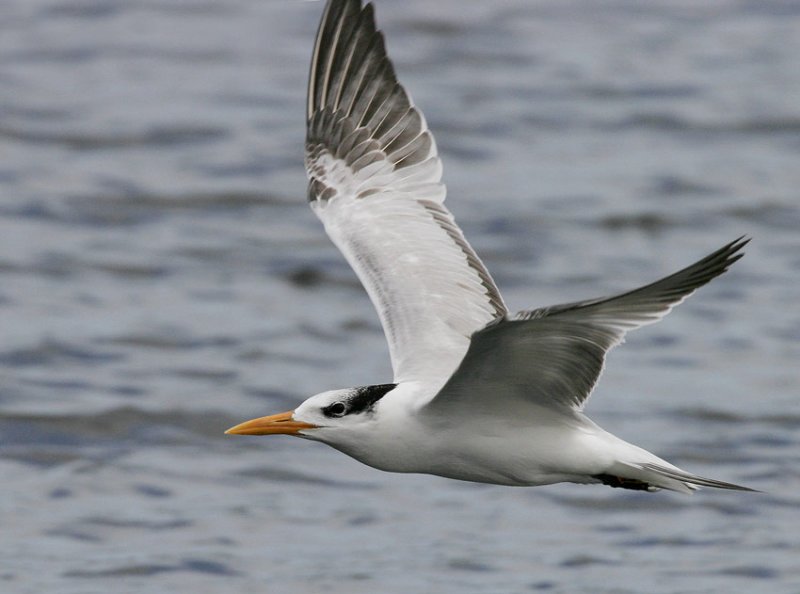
pixel 375 183
pixel 553 356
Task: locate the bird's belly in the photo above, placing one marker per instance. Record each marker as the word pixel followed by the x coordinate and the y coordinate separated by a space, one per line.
pixel 522 456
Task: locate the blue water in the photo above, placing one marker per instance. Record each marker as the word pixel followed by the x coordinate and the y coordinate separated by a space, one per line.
pixel 161 279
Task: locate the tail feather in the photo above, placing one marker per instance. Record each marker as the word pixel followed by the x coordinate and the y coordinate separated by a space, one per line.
pixel 692 480
pixel 648 476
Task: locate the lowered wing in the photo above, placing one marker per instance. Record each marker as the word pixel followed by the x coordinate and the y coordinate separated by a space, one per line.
pixel 553 356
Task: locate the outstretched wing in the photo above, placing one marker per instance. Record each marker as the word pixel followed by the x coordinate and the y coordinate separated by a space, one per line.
pixel 553 356
pixel 375 182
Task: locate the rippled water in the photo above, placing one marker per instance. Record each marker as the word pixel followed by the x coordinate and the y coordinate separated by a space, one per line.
pixel 161 278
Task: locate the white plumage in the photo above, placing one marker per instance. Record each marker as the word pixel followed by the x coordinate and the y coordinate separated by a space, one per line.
pixel 478 394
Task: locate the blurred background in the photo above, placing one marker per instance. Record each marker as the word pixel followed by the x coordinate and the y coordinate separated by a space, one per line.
pixel 162 278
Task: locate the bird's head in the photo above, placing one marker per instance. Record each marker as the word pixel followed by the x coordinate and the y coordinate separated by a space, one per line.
pixel 322 417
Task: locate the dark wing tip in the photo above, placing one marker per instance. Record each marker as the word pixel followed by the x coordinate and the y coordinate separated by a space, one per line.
pixel 346 40
pixel 713 265
pixel 731 252
pixel 683 283
pixel 640 304
pixel 357 111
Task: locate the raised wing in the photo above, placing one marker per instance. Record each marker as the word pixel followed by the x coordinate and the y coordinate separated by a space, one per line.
pixel 375 182
pixel 553 356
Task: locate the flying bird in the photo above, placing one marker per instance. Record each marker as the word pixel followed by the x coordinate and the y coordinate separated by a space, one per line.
pixel 479 393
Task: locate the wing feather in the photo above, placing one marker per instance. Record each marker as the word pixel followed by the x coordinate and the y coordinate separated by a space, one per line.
pixel 375 182
pixel 553 356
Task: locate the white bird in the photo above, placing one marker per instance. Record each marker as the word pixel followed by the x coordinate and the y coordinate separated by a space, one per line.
pixel 479 394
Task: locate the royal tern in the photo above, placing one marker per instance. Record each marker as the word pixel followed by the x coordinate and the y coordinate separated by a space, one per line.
pixel 479 393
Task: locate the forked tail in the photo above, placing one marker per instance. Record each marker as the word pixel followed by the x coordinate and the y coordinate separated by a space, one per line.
pixel 648 476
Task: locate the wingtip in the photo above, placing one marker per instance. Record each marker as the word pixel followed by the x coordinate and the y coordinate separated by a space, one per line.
pixel 732 252
pixel 737 245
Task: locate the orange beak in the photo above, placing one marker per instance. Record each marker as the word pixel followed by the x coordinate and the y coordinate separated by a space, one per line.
pixel 282 423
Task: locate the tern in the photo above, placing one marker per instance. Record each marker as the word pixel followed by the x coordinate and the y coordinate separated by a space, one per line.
pixel 479 393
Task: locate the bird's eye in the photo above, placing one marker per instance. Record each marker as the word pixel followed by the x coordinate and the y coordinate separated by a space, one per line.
pixel 337 409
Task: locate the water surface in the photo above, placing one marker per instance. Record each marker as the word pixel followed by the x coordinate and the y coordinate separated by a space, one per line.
pixel 161 279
